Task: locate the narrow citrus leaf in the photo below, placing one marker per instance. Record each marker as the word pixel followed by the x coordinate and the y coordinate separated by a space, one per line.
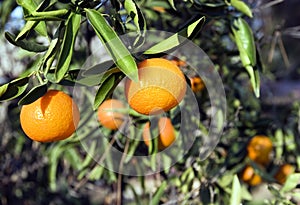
pixel 14 89
pixel 99 68
pixel 242 7
pixel 115 47
pixel 28 7
pixel 254 79
pixel 131 9
pixel 171 2
pixel 245 41
pixel 103 91
pixel 3 89
pixel 56 15
pixel 65 56
pixel 29 25
pixel 158 194
pixel 50 55
pixel 291 182
pixel 89 157
pixel 235 198
pixel 25 44
pixel 139 21
pixel 34 94
pixel 174 41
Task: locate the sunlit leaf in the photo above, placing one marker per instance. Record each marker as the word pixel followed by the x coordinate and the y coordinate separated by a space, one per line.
pixel 65 57
pixel 245 42
pixel 28 7
pixel 172 4
pixel 139 21
pixel 56 15
pixel 291 182
pixel 159 193
pixel 235 198
pixel 113 44
pixel 177 39
pixel 242 7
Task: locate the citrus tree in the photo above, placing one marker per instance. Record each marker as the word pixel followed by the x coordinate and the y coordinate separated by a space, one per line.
pixel 133 102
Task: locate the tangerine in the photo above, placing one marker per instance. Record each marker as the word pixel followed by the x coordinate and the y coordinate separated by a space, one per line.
pixel 52 117
pixel 166 133
pixel 259 149
pixel 108 116
pixel 283 172
pixel 161 87
pixel 249 176
pixel 197 84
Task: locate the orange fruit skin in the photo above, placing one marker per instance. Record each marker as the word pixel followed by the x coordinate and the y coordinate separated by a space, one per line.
pixel 259 149
pixel 161 87
pixel 166 133
pixel 108 117
pixel 283 172
pixel 52 117
pixel 197 84
pixel 249 176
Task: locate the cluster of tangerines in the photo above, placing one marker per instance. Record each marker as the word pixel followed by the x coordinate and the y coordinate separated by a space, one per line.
pixel 161 87
pixel 259 149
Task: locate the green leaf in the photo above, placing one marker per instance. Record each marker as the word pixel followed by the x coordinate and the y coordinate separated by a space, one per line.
pixel 66 53
pixel 28 7
pixel 158 194
pixel 25 44
pixel 34 94
pixel 100 68
pixel 13 89
pixel 134 12
pixel 254 79
pixel 50 55
pixel 56 15
pixel 245 41
pixel 242 7
pixel 121 56
pixel 139 21
pixel 177 39
pixel 235 198
pixel 3 89
pixel 103 91
pixel 171 2
pixel 291 182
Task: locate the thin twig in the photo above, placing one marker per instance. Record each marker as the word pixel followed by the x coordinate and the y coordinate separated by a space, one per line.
pixel 267 5
pixel 119 188
pixel 283 52
pixel 272 49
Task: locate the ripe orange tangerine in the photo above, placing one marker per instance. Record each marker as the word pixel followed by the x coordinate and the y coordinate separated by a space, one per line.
pixel 259 149
pixel 197 84
pixel 249 176
pixel 283 172
pixel 52 117
pixel 166 133
pixel 161 87
pixel 108 114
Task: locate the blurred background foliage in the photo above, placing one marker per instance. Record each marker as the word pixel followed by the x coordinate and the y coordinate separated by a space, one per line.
pixel 63 173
